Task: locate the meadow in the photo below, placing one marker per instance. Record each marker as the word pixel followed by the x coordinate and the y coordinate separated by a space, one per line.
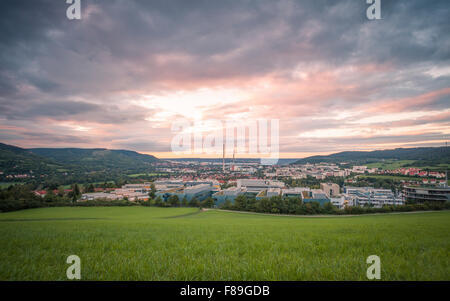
pixel 4 185
pixel 147 243
pixel 391 164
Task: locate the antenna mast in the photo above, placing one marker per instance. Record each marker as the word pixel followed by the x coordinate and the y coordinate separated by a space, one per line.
pixel 223 158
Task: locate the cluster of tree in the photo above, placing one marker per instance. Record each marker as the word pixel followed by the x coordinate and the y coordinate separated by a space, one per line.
pixel 57 178
pixel 385 183
pixel 427 206
pixel 311 182
pixel 289 205
pixel 277 204
pixel 174 201
pixel 19 197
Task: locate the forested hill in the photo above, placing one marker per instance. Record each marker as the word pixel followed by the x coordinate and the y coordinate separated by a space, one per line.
pixel 15 160
pixel 95 159
pixel 423 156
pixel 18 160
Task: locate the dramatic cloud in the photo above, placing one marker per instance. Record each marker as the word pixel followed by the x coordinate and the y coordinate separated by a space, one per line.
pixel 122 74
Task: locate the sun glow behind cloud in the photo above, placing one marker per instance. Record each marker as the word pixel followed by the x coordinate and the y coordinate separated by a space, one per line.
pixel 190 104
pixel 119 78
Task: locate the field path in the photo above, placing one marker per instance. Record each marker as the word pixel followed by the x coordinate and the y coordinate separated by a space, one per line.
pixel 315 216
pixel 187 214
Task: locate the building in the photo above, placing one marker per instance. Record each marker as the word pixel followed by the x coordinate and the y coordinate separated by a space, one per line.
pixel 330 189
pixel 295 192
pixel 200 192
pixel 229 194
pixel 132 192
pixel 268 193
pixel 339 202
pixel 99 195
pixel 168 184
pixel 369 196
pixel 198 182
pixel 359 169
pixel 315 195
pixel 255 186
pixel 423 194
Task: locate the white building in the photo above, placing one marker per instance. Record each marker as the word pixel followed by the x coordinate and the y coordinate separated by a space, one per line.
pixel 98 195
pixel 255 186
pixel 369 196
pixel 359 169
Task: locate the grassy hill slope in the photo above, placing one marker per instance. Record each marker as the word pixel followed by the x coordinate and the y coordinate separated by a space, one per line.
pixel 96 159
pixel 18 160
pixel 148 243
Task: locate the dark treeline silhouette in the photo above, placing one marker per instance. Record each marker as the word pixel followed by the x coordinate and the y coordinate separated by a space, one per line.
pixel 294 206
pixel 20 197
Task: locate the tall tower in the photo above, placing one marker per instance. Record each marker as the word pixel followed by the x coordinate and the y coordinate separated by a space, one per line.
pixel 234 154
pixel 223 158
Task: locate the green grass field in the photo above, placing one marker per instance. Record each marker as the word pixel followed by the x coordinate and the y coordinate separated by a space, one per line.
pixel 391 177
pixel 145 243
pixel 151 174
pixel 390 164
pixel 4 185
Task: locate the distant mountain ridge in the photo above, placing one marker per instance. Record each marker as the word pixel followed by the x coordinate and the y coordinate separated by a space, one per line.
pixel 95 158
pixel 425 155
pixel 42 160
pixel 20 160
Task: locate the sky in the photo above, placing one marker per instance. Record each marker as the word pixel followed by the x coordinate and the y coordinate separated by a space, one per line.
pixel 123 74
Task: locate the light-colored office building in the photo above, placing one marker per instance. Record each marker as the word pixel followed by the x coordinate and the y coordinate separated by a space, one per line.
pixel 330 189
pixel 369 196
pixel 255 186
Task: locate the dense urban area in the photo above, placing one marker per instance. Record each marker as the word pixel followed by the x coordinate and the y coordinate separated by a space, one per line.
pixel 291 187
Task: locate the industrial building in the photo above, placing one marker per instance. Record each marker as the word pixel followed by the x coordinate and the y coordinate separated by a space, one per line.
pixel 426 194
pixel 132 192
pixel 330 189
pixel 200 192
pixel 268 193
pixel 315 195
pixel 255 186
pixel 295 192
pixel 229 194
pixel 369 196
pixel 99 195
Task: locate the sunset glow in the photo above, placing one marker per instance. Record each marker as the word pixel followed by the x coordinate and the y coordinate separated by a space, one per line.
pixel 334 86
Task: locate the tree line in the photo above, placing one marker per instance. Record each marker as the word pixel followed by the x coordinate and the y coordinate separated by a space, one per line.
pixel 295 206
pixel 19 197
pixel 174 201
